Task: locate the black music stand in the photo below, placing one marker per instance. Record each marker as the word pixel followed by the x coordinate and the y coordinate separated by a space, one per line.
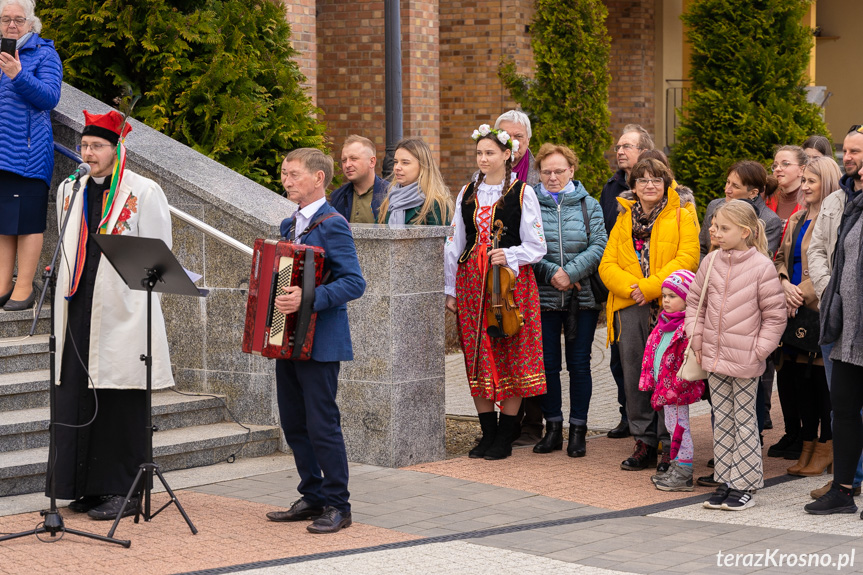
pixel 147 264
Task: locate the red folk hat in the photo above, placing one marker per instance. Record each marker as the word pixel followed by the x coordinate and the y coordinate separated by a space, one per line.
pixel 105 126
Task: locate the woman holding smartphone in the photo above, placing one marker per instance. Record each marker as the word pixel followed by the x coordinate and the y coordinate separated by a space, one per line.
pixel 30 79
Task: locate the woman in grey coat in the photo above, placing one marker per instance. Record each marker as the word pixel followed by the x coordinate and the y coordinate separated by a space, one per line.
pixel 575 245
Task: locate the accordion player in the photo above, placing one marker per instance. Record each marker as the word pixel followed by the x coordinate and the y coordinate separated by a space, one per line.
pixel 276 265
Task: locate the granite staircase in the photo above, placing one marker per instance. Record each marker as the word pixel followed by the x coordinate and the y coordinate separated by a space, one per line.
pixel 193 431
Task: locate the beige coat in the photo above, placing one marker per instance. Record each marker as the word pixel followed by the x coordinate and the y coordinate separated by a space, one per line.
pixel 743 315
pixel 118 331
pixel 785 258
pixel 823 242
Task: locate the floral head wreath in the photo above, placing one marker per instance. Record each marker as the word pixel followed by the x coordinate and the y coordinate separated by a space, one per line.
pixel 502 136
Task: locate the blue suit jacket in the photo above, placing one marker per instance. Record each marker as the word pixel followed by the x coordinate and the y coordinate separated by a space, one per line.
pixel 346 283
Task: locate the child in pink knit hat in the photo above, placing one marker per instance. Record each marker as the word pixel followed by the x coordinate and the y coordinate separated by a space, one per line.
pixel 663 356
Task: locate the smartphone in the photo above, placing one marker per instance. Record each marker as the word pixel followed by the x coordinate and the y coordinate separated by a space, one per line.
pixel 9 45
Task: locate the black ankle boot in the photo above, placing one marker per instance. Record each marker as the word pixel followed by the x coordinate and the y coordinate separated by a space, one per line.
pixel 502 447
pixel 488 424
pixel 553 440
pixel 577 446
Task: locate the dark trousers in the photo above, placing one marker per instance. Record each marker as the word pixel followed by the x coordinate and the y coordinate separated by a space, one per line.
pixel 577 364
pixel 645 424
pixel 788 400
pixel 306 392
pixel 846 394
pixel 813 397
pixel 616 368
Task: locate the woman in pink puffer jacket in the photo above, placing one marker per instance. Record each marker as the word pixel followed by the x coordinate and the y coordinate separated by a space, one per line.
pixel 740 324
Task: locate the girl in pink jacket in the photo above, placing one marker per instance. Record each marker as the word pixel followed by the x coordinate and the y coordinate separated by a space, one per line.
pixel 740 324
pixel 663 356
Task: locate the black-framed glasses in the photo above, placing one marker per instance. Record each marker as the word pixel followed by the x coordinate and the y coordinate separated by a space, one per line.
pixel 94 147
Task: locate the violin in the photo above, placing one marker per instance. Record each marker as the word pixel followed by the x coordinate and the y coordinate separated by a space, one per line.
pixel 503 315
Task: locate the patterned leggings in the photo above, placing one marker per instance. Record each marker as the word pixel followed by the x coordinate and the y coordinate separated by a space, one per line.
pixel 677 423
pixel 736 447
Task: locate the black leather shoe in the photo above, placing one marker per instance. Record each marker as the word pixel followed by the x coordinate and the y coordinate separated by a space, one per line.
pixel 577 446
pixel 16 305
pixel 553 440
pixel 332 521
pixel 779 448
pixel 299 511
pixel 110 507
pixel 5 297
pixel 86 503
pixel 621 431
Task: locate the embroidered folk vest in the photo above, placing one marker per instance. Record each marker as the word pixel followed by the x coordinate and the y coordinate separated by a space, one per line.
pixel 507 209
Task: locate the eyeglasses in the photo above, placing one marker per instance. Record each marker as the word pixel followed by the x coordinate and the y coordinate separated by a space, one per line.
pixel 656 182
pixel 626 147
pixel 94 147
pixel 548 173
pixel 783 165
pixel 6 20
pixel 856 128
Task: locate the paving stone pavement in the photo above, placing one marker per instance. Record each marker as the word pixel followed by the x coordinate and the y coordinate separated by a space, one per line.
pixel 604 412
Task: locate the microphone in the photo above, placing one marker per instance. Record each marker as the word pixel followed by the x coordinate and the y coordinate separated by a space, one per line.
pixel 83 170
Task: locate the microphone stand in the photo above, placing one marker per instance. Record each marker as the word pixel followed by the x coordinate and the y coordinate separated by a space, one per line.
pixel 53 522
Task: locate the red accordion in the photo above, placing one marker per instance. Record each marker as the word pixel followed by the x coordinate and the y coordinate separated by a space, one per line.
pixel 278 264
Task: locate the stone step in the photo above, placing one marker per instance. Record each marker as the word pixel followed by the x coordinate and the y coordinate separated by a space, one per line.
pixel 23 354
pixel 28 428
pixel 23 471
pixel 18 323
pixel 24 390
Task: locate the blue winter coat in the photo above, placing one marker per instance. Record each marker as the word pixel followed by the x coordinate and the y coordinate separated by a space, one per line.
pixel 25 111
pixel 566 238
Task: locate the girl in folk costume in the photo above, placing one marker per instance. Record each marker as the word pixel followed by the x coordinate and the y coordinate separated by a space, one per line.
pixel 101 326
pixel 666 347
pixel 507 369
pixel 738 326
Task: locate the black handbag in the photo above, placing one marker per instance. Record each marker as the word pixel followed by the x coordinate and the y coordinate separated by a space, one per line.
pixel 803 331
pixel 600 292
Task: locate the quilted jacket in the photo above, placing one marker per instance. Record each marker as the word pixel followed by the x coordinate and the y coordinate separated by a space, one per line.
pixel 673 246
pixel 25 111
pixel 743 315
pixel 670 389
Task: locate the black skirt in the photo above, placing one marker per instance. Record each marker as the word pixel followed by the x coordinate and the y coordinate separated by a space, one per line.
pixel 23 205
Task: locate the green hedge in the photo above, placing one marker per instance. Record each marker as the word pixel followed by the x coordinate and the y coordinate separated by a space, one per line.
pixel 567 100
pixel 216 75
pixel 749 66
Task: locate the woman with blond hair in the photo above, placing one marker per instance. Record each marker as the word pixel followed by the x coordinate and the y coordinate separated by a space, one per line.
pixel 801 377
pixel 417 194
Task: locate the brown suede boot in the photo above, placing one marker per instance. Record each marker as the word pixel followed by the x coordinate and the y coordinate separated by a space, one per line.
pixel 805 456
pixel 821 461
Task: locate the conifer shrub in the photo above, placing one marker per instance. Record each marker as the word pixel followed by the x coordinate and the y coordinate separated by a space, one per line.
pixel 567 99
pixel 216 75
pixel 749 70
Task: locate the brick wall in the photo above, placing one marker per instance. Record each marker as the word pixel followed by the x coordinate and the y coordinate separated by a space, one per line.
pixel 474 36
pixel 301 17
pixel 632 27
pixel 351 78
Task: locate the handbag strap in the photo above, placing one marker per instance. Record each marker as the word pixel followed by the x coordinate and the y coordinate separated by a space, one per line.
pixel 701 299
pixel 585 218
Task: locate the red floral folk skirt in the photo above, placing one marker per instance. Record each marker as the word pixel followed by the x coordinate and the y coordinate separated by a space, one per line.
pixel 516 360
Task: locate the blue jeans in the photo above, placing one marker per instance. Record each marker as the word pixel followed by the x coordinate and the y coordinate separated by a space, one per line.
pixel 577 363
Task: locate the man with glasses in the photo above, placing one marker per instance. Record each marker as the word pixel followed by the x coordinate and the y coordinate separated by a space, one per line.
pixel 101 328
pixel 632 142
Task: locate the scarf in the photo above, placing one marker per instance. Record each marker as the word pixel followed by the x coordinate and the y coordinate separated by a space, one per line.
pixel 832 320
pixel 23 40
pixel 670 320
pixel 403 198
pixel 569 187
pixel 642 224
pixel 522 167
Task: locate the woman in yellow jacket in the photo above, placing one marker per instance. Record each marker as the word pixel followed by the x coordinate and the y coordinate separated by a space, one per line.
pixel 652 238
